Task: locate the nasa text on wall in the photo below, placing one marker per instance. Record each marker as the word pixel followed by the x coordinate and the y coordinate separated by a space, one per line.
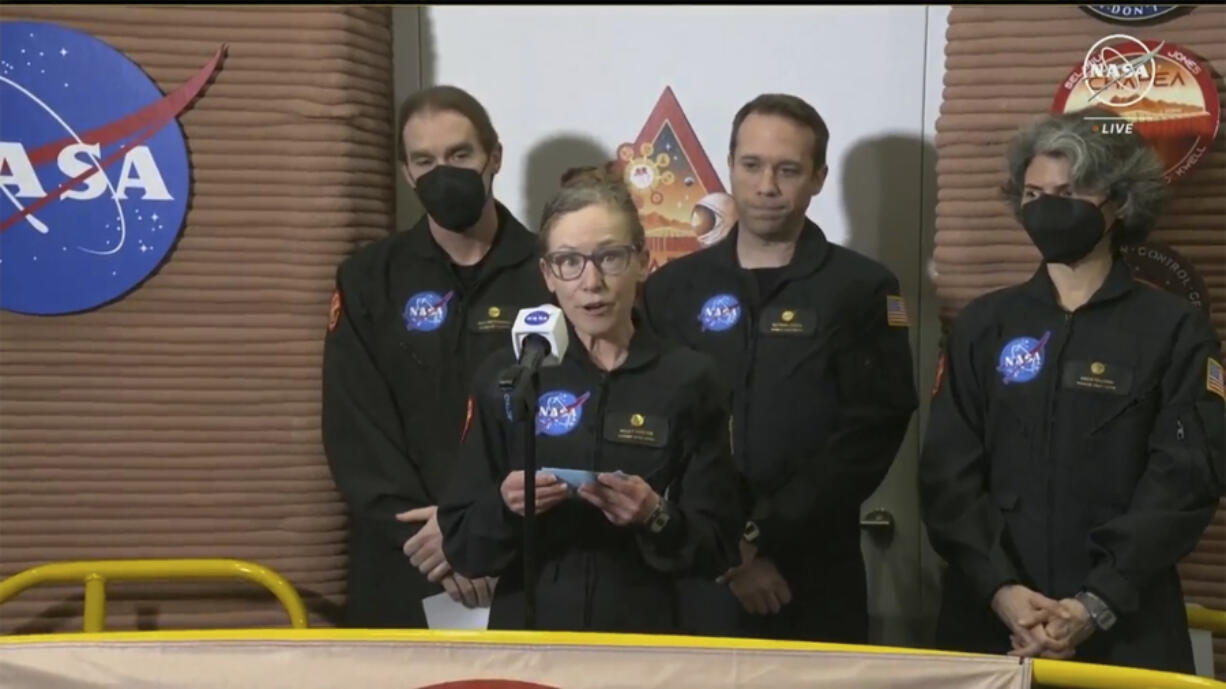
pixel 94 169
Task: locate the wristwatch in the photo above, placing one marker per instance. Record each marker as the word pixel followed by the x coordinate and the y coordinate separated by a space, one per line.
pixel 751 533
pixel 1100 612
pixel 658 519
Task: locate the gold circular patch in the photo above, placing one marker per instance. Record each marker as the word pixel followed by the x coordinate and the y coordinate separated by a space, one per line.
pixel 788 316
pixel 636 420
pixel 495 312
pixel 1098 368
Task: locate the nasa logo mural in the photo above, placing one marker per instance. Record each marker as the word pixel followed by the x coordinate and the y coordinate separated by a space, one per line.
pixel 94 169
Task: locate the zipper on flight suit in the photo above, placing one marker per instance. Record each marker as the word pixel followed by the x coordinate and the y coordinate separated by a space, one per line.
pixel 1049 461
pixel 589 569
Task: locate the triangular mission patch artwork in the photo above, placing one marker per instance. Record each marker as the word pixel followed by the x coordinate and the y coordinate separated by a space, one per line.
pixel 681 201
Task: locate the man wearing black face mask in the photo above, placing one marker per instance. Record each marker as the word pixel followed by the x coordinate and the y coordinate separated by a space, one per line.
pixel 1075 449
pixel 412 317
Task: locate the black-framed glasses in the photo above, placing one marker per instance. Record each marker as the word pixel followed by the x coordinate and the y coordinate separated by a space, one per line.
pixel 609 260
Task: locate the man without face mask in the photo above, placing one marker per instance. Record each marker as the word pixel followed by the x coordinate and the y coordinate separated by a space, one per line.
pixel 1064 229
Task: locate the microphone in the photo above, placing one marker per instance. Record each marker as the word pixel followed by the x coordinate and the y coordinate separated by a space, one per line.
pixel 539 337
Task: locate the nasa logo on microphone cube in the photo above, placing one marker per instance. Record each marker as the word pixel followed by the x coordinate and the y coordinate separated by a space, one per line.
pixel 94 169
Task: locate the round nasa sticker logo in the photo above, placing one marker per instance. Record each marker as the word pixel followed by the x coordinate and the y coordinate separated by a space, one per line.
pixel 720 313
pixel 1021 359
pixel 559 412
pixel 94 172
pixel 426 311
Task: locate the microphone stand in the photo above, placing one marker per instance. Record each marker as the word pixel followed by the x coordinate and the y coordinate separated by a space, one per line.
pixel 519 386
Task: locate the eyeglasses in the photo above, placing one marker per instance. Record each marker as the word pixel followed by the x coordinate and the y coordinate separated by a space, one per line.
pixel 609 260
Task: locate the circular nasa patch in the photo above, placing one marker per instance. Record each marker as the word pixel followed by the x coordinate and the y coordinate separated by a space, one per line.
pixel 426 311
pixel 559 412
pixel 720 313
pixel 1021 359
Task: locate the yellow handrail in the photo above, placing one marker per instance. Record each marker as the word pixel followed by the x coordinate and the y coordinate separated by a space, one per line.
pixel 1208 619
pixel 1050 673
pixel 95 573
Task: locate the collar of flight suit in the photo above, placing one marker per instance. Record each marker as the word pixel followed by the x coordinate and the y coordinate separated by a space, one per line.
pixel 645 346
pixel 513 243
pixel 812 248
pixel 1119 282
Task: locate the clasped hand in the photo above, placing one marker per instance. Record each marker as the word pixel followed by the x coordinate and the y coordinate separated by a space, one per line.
pixel 425 552
pixel 1039 626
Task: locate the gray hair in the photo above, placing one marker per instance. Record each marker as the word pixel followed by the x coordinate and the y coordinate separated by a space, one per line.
pixel 1123 166
pixel 583 187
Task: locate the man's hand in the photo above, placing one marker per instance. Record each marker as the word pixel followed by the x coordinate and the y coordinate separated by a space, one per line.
pixel 1068 628
pixel 760 587
pixel 748 552
pixel 624 500
pixel 473 593
pixel 1025 612
pixel 549 492
pixel 425 548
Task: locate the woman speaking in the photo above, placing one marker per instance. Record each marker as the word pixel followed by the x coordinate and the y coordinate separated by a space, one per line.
pixel 648 418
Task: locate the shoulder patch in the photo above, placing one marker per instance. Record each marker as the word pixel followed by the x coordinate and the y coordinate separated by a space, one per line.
pixel 1213 378
pixel 896 311
pixel 468 419
pixel 942 363
pixel 334 310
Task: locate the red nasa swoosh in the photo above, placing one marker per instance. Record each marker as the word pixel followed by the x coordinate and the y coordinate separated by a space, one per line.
pixel 148 120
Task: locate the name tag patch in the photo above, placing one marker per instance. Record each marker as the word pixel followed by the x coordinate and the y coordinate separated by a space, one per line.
pixel 1098 376
pixel 788 321
pixel 487 319
pixel 635 428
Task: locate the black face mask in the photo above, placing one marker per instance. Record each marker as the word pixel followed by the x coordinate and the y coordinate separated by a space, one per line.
pixel 453 196
pixel 1064 229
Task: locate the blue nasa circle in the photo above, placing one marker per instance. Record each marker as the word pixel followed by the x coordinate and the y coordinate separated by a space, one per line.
pixel 1021 360
pixel 426 311
pixel 92 242
pixel 537 318
pixel 1130 12
pixel 720 312
pixel 558 412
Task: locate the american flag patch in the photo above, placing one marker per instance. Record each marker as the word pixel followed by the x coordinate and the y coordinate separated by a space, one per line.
pixel 1213 378
pixel 896 311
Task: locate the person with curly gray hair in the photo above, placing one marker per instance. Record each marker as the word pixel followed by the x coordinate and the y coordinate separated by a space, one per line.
pixel 1075 446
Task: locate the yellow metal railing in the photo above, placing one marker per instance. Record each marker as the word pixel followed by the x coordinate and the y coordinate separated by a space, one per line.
pixel 1207 619
pixel 96 573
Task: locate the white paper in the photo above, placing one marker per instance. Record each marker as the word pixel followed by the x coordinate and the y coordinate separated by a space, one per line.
pixel 444 613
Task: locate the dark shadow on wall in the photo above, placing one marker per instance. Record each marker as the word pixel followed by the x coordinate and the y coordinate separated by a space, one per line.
pixel 881 191
pixel 545 164
pixel 888 203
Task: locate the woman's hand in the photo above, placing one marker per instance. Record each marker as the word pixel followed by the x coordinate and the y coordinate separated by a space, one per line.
pixel 623 499
pixel 549 492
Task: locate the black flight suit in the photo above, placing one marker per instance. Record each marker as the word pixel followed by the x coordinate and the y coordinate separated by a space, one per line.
pixel 661 415
pixel 822 395
pixel 1070 451
pixel 413 328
